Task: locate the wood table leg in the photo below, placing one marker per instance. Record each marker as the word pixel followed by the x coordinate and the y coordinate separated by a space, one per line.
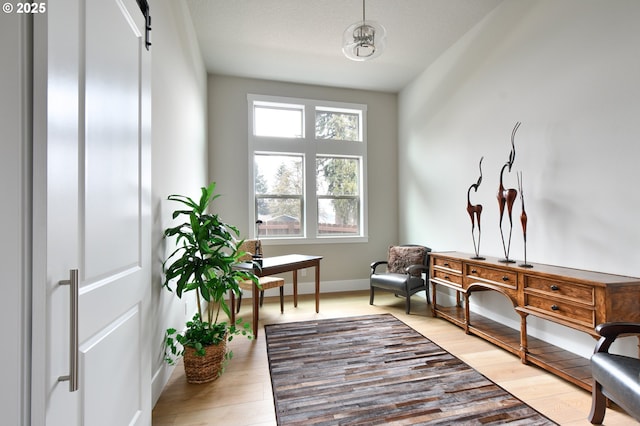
pixel 467 319
pixel 318 288
pixel 254 296
pixel 524 344
pixel 434 303
pixel 295 288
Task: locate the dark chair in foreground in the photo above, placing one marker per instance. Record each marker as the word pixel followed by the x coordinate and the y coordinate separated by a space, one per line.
pixel 615 377
pixel 403 275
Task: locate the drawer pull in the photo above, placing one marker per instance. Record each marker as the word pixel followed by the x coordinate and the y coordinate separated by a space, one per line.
pixel 555 308
pixel 505 278
pixel 446 277
pixel 555 287
pixel 473 271
pixel 446 264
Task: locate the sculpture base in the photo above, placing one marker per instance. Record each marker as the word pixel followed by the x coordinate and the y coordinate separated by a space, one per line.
pixel 507 261
pixel 525 265
pixel 478 258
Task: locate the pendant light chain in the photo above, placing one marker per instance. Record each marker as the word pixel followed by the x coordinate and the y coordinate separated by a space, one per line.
pixel 363 8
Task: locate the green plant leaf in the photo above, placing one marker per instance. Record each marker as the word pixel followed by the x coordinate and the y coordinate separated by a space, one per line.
pixel 207 250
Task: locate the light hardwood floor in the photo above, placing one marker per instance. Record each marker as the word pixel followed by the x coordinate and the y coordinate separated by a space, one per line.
pixel 242 395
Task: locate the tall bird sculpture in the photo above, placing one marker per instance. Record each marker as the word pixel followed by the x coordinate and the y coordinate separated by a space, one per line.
pixel 523 221
pixel 507 197
pixel 474 213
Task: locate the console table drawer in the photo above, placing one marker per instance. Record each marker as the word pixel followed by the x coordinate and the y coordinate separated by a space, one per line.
pixel 560 290
pixel 566 311
pixel 497 277
pixel 454 265
pixel 447 276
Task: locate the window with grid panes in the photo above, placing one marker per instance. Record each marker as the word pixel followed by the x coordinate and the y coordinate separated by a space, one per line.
pixel 307 169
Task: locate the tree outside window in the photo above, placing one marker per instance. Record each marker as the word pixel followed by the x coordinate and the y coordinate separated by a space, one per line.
pixel 338 189
pixel 279 183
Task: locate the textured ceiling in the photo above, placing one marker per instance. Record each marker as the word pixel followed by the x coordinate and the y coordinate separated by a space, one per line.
pixel 300 40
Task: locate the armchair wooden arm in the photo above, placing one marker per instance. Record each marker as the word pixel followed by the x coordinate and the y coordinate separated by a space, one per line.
pixel 417 269
pixel 610 331
pixel 374 265
pixel 615 377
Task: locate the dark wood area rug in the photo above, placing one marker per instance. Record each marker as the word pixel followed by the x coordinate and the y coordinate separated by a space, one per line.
pixel 375 369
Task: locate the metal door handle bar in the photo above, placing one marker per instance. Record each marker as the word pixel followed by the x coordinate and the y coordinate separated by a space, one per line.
pixel 72 282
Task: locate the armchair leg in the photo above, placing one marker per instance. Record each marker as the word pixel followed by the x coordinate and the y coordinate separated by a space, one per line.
pixel 598 404
pixel 371 295
pixel 282 299
pixel 239 302
pixel 407 304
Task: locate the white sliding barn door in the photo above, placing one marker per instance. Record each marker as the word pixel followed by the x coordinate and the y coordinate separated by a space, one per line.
pixel 91 213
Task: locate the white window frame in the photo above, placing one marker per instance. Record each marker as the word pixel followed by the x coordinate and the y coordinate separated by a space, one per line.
pixel 309 147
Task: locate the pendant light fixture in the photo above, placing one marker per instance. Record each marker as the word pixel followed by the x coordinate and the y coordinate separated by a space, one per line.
pixel 364 39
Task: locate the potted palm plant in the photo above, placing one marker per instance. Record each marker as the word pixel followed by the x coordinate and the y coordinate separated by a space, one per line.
pixel 203 262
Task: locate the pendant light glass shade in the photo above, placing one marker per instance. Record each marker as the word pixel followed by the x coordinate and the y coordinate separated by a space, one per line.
pixel 364 39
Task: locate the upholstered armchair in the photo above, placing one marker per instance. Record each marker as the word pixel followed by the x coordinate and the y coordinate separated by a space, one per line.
pixel 403 273
pixel 616 377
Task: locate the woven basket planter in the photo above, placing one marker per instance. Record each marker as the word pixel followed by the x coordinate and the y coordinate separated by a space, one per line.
pixel 203 369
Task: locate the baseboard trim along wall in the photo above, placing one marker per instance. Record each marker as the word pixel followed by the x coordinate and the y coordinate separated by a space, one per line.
pixel 307 286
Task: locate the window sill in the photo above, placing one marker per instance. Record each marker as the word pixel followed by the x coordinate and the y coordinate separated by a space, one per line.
pixel 291 241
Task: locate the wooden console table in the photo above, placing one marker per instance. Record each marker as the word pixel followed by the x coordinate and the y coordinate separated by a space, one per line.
pixel 574 298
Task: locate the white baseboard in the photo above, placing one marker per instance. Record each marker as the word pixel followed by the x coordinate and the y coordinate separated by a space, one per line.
pixel 159 381
pixel 308 287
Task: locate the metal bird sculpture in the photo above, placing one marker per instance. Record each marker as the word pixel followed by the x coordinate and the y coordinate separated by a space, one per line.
pixel 523 221
pixel 507 197
pixel 474 213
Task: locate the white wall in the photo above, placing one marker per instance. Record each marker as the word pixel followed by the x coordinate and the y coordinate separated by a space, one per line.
pixel 344 266
pixel 568 70
pixel 15 179
pixel 179 152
